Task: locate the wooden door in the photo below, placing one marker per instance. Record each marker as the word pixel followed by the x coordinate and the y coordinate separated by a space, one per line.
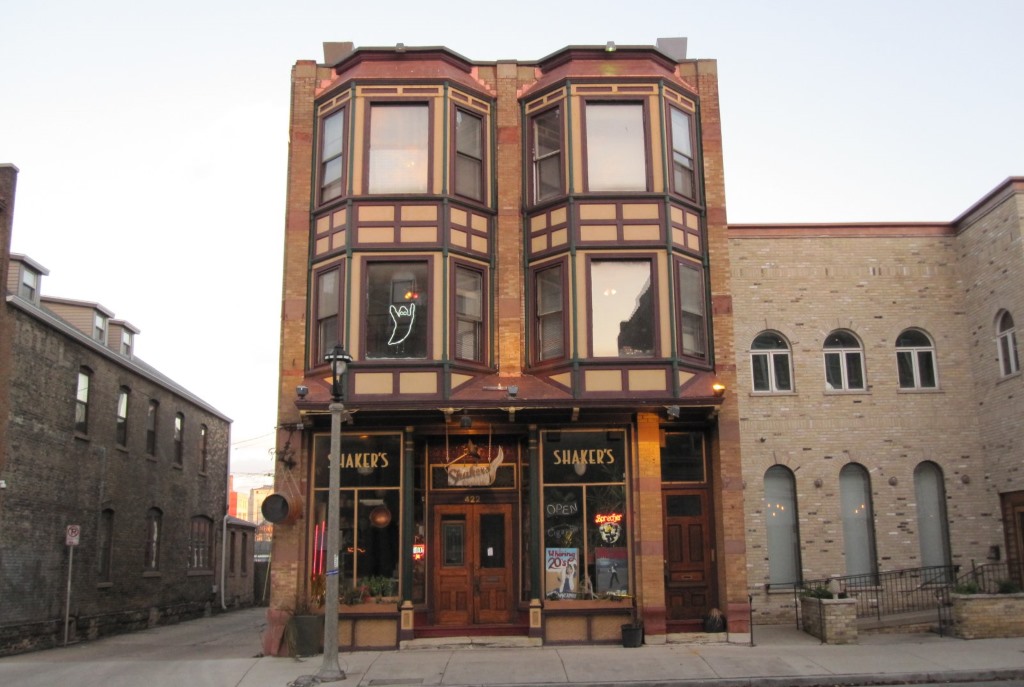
pixel 473 570
pixel 689 560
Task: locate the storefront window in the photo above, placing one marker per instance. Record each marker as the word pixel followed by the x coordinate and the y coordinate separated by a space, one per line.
pixel 585 524
pixel 370 509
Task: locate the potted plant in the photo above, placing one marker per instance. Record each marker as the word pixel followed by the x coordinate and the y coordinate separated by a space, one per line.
pixel 305 629
pixel 633 631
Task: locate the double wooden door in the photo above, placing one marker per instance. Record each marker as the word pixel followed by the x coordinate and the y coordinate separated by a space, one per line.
pixel 473 566
pixel 689 557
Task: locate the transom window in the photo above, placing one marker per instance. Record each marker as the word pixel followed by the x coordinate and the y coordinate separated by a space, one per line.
pixel 770 363
pixel 396 311
pixel 1007 341
pixel 682 154
pixel 616 148
pixel 550 314
pixel 915 360
pixel 328 300
pixel 844 362
pixel 621 309
pixel 469 314
pixel 399 152
pixel 469 155
pixel 332 145
pixel 691 311
pixel 547 155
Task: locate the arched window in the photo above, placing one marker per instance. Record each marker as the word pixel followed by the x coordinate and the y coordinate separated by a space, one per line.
pixel 200 544
pixel 932 525
pixel 770 363
pixel 844 362
pixel 858 520
pixel 1006 336
pixel 915 360
pixel 781 526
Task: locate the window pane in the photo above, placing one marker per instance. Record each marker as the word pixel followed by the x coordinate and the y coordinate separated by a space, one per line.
pixel 469 134
pixel 854 373
pixel 492 540
pixel 769 341
pixel 691 304
pixel 549 177
pixel 912 337
pixel 453 541
pixel 926 368
pixel 682 154
pixel 781 526
pixel 905 367
pixel 858 520
pixel 469 177
pixel 398 148
pixel 616 160
pixel 397 310
pixel 682 457
pixel 331 156
pixel 548 133
pixel 833 371
pixel 759 365
pixel 550 331
pixel 469 314
pixel 782 379
pixel 622 308
pixel 931 514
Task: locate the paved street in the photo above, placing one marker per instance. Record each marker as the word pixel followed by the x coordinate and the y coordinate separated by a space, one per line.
pixel 223 651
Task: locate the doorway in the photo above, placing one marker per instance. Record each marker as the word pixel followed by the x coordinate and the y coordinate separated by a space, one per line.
pixel 689 558
pixel 473 578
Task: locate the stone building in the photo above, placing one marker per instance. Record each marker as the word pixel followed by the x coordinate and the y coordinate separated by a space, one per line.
pixel 879 389
pixel 102 449
pixel 524 260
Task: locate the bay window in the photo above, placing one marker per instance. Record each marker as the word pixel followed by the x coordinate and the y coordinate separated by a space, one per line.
pixel 692 323
pixel 332 146
pixel 549 313
pixel 547 155
pixel 682 154
pixel 622 309
pixel 328 300
pixel 615 147
pixel 469 314
pixel 397 315
pixel 469 155
pixel 399 152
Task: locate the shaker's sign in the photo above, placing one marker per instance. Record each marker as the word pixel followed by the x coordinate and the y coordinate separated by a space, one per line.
pixel 593 456
pixel 364 461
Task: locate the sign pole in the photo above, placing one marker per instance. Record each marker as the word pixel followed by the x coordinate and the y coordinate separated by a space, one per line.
pixel 67 598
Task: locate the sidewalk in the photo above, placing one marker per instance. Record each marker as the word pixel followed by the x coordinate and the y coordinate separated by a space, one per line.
pixel 223 651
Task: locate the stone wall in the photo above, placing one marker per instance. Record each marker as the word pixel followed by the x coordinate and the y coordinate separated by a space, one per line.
pixel 833 621
pixel 984 616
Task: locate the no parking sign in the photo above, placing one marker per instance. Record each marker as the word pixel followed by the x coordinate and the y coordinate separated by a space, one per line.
pixel 73 535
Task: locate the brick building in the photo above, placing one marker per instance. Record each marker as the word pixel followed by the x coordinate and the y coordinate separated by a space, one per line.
pixel 524 260
pixel 97 438
pixel 879 393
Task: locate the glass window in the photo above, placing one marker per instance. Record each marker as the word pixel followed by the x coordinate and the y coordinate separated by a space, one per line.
pixel 1007 342
pixel 858 520
pixel 469 314
pixel 915 360
pixel 844 362
pixel 682 457
pixel 932 524
pixel 550 314
pixel 127 343
pixel 105 546
pixel 398 148
pixel 232 536
pixel 682 155
pixel 204 447
pixel 151 418
pixel 200 544
pixel 121 432
pixel 332 147
pixel 99 327
pixel 616 149
pixel 691 312
pixel 179 439
pixel 585 524
pixel 397 310
pixel 29 286
pixel 243 556
pixel 547 155
pixel 621 309
pixel 82 401
pixel 781 526
pixel 770 363
pixel 328 301
pixel 469 155
pixel 154 523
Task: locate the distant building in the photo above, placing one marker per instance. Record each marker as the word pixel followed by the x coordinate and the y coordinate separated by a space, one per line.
pixel 100 449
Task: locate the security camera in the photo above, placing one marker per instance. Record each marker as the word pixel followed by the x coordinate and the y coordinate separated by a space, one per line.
pixel 513 391
pixel 301 391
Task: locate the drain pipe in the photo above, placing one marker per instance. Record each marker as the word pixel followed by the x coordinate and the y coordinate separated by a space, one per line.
pixel 223 564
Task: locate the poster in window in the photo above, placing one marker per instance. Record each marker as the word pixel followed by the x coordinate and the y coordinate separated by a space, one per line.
pixel 612 571
pixel 561 573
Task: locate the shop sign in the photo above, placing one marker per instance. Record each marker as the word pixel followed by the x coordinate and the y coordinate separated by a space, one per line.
pixel 371 460
pixel 585 456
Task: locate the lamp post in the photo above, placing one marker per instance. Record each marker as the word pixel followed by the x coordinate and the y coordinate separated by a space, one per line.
pixel 330 671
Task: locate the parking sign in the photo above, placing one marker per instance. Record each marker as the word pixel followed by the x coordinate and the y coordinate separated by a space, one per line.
pixel 73 534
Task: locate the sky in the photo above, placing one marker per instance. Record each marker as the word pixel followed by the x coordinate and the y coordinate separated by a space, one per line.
pixel 152 138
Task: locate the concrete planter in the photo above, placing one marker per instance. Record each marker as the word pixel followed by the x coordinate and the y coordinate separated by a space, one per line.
pixel 984 616
pixel 833 621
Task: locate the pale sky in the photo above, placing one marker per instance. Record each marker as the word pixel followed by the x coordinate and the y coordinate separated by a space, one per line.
pixel 152 138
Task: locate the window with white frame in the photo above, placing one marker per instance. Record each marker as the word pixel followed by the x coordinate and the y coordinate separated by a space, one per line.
pixel 399 151
pixel 616 147
pixel 29 286
pixel 1006 338
pixel 844 362
pixel 782 526
pixel 99 327
pixel 621 309
pixel 915 360
pixel 127 343
pixel 770 363
pixel 332 148
pixel 82 401
pixel 547 155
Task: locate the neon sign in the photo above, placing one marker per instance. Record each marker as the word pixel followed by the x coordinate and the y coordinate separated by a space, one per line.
pixel 609 518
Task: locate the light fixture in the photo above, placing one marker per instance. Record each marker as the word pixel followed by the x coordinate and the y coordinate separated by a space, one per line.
pixel 512 390
pixel 380 516
pixel 338 360
pixel 718 388
pixel 610 46
pixel 301 391
pixel 465 422
pixel 672 412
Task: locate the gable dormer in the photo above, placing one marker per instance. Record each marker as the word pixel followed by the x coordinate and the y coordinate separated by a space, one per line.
pixel 121 337
pixel 24 277
pixel 92 319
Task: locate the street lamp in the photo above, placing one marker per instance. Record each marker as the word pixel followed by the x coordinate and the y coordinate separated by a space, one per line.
pixel 330 671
